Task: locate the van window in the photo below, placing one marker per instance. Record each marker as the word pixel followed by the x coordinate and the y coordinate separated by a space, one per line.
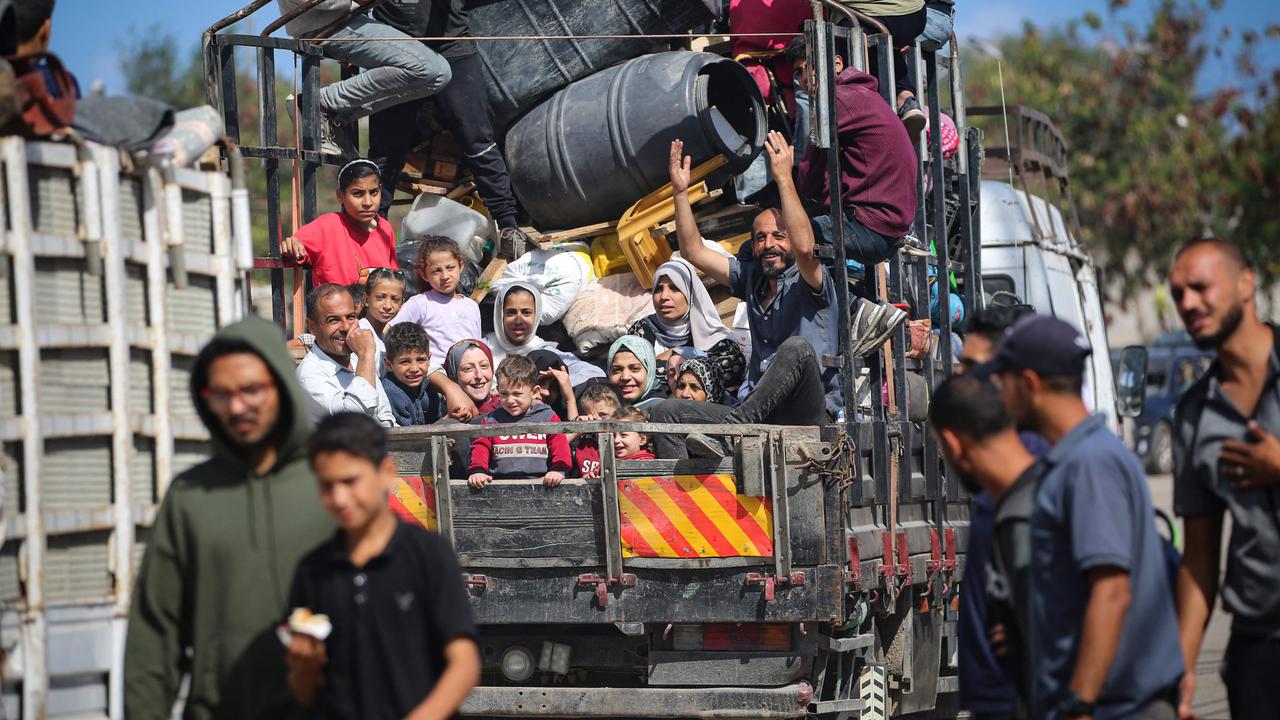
pixel 992 284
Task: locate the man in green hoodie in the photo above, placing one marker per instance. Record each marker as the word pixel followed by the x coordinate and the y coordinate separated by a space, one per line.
pixel 219 560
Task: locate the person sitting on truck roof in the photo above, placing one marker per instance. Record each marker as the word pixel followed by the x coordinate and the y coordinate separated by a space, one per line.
pixel 462 108
pixel 980 441
pixel 878 167
pixel 215 574
pixel 685 316
pixel 332 373
pixel 402 641
pixel 1105 639
pixel 341 247
pixel 397 70
pixel 906 20
pixel 521 455
pixel 413 402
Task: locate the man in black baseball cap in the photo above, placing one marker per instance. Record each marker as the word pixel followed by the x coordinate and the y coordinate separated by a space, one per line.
pixel 1105 635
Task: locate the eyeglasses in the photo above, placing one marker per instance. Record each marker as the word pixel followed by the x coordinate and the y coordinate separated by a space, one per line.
pixel 252 394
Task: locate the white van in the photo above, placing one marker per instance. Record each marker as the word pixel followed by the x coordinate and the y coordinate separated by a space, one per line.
pixel 1028 251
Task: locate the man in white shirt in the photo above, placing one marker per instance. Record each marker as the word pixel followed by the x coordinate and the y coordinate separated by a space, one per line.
pixel 331 374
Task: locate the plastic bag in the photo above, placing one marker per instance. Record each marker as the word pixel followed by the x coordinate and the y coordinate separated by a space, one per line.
pixel 604 310
pixel 559 272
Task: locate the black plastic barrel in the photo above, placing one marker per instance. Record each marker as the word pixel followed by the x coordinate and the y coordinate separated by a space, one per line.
pixel 520 73
pixel 593 149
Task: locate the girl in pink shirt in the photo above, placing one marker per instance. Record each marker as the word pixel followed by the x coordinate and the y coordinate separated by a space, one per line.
pixel 447 316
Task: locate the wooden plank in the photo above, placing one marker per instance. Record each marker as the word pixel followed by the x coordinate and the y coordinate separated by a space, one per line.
pixel 524 519
pixel 485 281
pixel 579 233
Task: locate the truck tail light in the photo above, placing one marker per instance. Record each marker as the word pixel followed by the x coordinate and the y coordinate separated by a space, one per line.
pixel 720 637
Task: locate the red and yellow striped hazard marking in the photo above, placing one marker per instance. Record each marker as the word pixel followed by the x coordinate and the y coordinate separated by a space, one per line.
pixel 691 516
pixel 414 500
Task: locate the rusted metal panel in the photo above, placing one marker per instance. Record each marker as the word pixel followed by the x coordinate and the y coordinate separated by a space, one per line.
pixel 657 595
pixel 728 702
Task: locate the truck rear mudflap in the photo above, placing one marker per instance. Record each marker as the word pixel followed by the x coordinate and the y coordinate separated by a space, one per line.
pixel 725 702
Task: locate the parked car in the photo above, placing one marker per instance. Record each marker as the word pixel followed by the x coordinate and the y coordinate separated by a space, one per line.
pixel 1172 367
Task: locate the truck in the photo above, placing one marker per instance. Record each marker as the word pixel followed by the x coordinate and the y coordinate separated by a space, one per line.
pixel 815 572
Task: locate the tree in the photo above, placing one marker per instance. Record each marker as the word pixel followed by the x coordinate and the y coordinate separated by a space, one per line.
pixel 1152 162
pixel 153 65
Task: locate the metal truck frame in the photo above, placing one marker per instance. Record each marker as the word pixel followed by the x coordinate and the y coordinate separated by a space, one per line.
pixel 867 533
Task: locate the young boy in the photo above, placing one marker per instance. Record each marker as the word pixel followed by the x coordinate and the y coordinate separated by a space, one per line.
pixel 523 455
pixel 629 445
pixel 599 401
pixel 403 642
pixel 408 361
pixel 360 296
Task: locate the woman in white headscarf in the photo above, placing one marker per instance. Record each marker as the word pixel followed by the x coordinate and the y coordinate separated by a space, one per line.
pixel 516 309
pixel 685 316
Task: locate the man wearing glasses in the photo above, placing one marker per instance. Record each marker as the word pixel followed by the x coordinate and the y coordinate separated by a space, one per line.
pixel 220 557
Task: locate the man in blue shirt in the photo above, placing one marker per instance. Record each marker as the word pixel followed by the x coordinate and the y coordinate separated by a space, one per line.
pixel 1104 637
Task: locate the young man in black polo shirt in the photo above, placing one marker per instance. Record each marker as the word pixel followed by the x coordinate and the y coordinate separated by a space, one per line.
pixel 403 640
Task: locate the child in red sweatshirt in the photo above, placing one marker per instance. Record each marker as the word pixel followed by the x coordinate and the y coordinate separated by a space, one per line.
pixel 599 401
pixel 524 455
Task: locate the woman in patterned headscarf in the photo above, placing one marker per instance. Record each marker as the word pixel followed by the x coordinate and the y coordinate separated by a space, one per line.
pixel 699 379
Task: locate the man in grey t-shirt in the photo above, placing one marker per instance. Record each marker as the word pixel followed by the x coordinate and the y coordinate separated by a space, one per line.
pixel 1104 637
pixel 1226 457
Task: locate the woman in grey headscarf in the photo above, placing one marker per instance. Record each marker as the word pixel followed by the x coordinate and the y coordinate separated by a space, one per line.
pixel 685 316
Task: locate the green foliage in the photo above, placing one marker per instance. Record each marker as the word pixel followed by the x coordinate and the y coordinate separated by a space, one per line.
pixel 154 65
pixel 1154 161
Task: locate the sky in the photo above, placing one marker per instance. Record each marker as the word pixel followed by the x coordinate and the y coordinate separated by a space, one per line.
pixel 87 33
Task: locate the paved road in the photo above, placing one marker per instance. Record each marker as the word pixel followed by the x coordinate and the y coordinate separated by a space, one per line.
pixel 1211 695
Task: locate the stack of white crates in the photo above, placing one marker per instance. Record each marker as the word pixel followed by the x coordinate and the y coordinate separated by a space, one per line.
pixel 97 341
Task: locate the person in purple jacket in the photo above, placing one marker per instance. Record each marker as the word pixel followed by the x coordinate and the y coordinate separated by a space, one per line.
pixel 879 169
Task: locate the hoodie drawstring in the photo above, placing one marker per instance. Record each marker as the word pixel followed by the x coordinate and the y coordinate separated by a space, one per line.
pixel 271 543
pixel 253 515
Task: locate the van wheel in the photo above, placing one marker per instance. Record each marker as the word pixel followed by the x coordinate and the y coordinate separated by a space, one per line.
pixel 1160 454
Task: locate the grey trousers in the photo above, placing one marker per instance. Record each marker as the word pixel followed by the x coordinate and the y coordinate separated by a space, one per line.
pixel 396 71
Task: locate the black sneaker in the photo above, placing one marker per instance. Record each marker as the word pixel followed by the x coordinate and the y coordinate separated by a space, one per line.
pixel 912 117
pixel 704 446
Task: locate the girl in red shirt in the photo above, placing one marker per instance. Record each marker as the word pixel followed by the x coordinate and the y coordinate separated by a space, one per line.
pixel 342 246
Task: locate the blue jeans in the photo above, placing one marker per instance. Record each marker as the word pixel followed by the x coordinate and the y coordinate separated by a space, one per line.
pixel 396 72
pixel 862 245
pixel 938 24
